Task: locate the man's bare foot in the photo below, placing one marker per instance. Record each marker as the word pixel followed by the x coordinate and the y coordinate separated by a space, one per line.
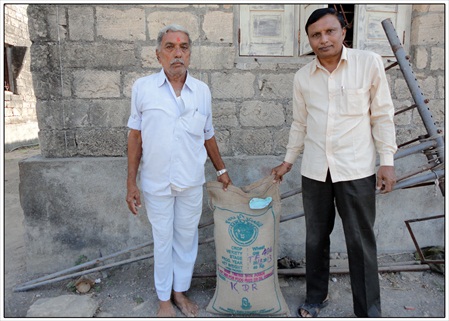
pixel 166 310
pixel 189 308
pixel 305 314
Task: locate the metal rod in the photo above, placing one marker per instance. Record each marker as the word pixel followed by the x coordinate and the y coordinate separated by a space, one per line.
pixel 413 86
pixel 334 270
pixel 68 276
pixel 291 193
pixel 418 248
pixel 433 160
pixel 86 264
pixel 205 224
pixel 419 179
pixel 400 111
pixel 415 149
pixel 420 185
pixel 419 171
pixel 24 287
pixel 291 217
pixel 401 153
pixel 409 142
pixel 391 66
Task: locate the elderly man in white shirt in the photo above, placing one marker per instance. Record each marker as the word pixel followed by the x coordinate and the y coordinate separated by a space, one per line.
pixel 171 135
pixel 342 114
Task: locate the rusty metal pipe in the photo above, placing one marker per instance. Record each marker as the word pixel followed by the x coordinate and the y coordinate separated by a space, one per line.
pixel 400 111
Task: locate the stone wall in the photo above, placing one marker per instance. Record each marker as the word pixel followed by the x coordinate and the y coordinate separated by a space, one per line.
pixel 20 121
pixel 86 58
pixel 427 58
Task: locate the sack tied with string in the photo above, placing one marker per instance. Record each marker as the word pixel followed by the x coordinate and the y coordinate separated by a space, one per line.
pixel 246 232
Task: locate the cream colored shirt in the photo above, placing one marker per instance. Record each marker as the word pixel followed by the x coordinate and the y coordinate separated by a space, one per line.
pixel 341 119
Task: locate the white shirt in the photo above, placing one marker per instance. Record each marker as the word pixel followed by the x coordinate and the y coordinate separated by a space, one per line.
pixel 173 134
pixel 341 118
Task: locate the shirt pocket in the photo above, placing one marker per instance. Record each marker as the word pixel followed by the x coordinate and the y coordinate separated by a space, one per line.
pixel 354 102
pixel 195 124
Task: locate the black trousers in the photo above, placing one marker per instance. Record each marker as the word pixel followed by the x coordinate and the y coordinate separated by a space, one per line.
pixel 355 202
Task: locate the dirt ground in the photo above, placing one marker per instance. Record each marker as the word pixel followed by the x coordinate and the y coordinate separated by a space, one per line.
pixel 128 290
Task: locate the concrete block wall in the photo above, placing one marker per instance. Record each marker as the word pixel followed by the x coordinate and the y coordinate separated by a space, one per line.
pixel 86 58
pixel 427 51
pixel 20 119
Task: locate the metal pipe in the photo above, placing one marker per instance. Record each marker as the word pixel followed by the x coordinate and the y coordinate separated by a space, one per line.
pixel 291 193
pixel 413 173
pixel 413 149
pixel 419 179
pixel 413 86
pixel 86 264
pixel 68 276
pixel 291 217
pixel 33 284
pixel 333 270
pixel 409 142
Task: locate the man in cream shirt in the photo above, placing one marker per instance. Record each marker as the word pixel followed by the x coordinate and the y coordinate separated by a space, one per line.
pixel 342 115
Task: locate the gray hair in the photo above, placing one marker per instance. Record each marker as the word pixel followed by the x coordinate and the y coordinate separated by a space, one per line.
pixel 172 28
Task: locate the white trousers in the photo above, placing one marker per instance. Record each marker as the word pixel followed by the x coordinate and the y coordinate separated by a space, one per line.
pixel 174 220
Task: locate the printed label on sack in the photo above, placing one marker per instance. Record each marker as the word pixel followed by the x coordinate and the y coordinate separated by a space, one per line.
pixel 245 261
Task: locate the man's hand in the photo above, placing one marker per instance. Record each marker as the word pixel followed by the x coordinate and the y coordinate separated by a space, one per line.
pixel 386 178
pixel 226 180
pixel 133 198
pixel 280 171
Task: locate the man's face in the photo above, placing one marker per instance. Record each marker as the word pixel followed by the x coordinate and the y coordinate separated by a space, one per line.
pixel 326 37
pixel 174 53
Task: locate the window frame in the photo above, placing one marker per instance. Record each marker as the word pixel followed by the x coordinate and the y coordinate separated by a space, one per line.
pixel 299 13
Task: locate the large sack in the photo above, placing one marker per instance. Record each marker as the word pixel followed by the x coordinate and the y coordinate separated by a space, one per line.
pixel 246 244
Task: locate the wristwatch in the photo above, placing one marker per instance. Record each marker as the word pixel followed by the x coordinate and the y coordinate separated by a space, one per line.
pixel 221 172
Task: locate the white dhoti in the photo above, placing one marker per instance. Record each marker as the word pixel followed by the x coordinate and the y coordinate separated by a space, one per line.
pixel 174 220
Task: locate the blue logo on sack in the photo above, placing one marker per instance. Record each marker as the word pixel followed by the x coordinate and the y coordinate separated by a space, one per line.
pixel 245 304
pixel 243 231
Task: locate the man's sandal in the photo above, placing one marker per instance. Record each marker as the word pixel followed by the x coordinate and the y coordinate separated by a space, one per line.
pixel 312 308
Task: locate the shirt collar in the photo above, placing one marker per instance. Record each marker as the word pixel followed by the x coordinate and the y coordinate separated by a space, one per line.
pixel 162 78
pixel 316 63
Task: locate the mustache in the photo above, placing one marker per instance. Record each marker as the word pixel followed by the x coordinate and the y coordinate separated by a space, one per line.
pixel 177 60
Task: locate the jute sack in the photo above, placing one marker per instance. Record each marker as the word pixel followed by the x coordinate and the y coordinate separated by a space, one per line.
pixel 246 244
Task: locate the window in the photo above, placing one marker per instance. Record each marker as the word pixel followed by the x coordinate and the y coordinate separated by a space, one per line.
pixel 7 68
pixel 278 30
pixel 267 30
pixel 13 59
